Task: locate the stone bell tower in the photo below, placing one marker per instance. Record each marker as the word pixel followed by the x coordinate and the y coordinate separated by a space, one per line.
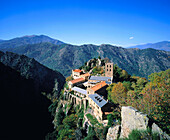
pixel 109 70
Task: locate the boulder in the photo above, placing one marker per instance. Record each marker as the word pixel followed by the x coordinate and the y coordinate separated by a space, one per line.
pixel 132 119
pixel 162 135
pixel 113 133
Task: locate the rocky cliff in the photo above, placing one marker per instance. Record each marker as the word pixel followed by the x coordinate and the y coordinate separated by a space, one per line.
pixel 24 110
pixel 132 119
pixel 45 79
pixel 113 133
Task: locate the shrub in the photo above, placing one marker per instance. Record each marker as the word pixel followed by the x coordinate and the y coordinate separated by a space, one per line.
pixel 92 119
pixel 110 119
pixel 142 135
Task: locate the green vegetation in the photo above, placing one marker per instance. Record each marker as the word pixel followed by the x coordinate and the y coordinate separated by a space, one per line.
pixel 59 116
pixel 114 118
pixel 142 135
pixel 134 61
pixel 120 75
pixel 92 119
pixel 98 70
pixel 67 126
pixel 91 134
pixel 117 94
pixel 150 97
pixel 110 119
pixel 86 68
pixel 96 65
pixel 52 108
pixel 69 78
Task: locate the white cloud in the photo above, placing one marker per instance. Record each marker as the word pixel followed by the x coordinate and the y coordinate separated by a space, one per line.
pixel 131 37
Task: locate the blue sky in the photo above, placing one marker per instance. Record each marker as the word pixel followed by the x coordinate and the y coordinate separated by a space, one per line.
pixel 121 22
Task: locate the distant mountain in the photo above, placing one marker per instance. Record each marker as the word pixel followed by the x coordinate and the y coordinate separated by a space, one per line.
pixel 164 45
pixel 66 57
pixel 33 39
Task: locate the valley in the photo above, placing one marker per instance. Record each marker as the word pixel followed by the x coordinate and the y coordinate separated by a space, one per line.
pixel 100 81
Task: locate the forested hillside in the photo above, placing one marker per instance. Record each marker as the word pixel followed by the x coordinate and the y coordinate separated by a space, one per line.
pixel 149 97
pixel 66 57
pixel 45 79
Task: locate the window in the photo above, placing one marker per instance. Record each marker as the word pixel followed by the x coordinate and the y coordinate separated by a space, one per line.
pixel 110 66
pixel 107 65
pixel 107 69
pixel 110 69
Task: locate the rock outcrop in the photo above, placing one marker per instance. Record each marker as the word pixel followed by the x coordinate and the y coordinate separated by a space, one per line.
pixel 94 62
pixel 162 135
pixel 132 119
pixel 113 133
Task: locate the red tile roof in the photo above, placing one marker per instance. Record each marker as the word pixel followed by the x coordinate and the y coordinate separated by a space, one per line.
pixel 77 70
pixel 77 80
pixel 98 86
pixel 86 74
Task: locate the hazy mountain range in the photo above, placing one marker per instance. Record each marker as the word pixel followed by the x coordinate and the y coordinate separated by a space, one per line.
pixel 64 57
pixel 164 45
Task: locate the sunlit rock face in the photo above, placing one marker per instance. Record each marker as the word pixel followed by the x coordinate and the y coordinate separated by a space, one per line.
pixel 113 133
pixel 132 119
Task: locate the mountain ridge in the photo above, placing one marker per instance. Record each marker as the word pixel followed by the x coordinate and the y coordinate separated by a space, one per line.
pixel 43 77
pixel 163 45
pixel 28 39
pixel 58 42
pixel 66 57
